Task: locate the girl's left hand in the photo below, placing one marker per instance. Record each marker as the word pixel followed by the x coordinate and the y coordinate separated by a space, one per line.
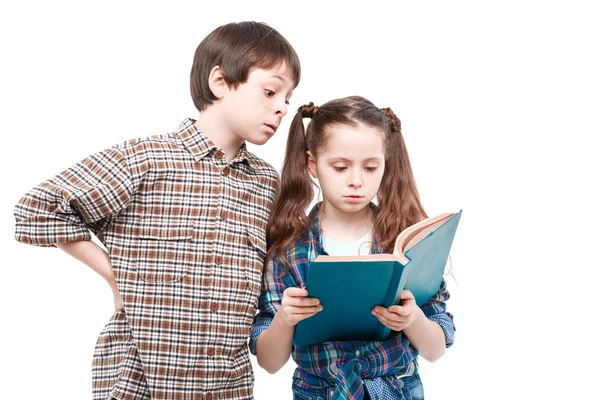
pixel 398 317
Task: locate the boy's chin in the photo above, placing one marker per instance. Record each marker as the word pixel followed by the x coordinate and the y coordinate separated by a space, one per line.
pixel 258 141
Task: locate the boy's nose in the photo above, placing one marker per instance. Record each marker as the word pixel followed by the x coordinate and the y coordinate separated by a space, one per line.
pixel 281 108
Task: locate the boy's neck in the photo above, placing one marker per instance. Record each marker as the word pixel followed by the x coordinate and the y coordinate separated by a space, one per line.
pixel 213 126
pixel 342 226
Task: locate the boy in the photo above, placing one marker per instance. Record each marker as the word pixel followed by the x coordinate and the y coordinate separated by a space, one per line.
pixel 183 218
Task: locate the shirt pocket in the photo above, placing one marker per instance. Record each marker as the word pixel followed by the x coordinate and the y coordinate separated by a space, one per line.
pixel 164 213
pixel 164 254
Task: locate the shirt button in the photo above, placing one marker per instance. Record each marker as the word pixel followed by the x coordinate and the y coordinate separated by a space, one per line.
pixel 219 154
pixel 210 351
pixel 208 396
pixel 357 353
pixel 223 214
pixel 214 307
pixel 226 171
pixel 218 260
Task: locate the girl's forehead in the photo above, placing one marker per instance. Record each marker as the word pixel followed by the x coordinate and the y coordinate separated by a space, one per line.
pixel 357 141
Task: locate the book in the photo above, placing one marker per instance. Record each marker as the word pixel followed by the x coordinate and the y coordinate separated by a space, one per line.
pixel 349 287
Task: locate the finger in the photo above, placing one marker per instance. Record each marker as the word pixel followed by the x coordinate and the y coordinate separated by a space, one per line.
pixel 391 316
pixel 300 301
pixel 399 310
pixel 295 292
pixel 292 310
pixel 387 322
pixel 407 295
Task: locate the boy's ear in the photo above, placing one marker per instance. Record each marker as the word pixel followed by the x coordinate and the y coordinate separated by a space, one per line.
pixel 217 83
pixel 311 164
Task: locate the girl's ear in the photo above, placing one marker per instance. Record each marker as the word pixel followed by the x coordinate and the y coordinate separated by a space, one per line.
pixel 217 83
pixel 312 164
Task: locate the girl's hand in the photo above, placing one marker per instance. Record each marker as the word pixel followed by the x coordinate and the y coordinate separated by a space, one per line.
pixel 398 317
pixel 295 306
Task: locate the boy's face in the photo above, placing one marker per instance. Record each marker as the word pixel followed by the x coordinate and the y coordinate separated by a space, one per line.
pixel 254 110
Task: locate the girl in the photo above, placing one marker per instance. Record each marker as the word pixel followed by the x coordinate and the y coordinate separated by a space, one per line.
pixel 356 152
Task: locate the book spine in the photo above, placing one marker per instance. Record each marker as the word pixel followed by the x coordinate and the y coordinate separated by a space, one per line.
pixel 392 297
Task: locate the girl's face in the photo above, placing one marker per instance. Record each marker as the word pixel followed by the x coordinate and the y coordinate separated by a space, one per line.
pixel 349 168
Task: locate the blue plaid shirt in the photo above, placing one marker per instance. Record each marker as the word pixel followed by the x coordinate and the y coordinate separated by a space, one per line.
pixel 343 367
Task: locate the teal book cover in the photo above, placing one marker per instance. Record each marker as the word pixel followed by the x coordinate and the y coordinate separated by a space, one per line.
pixel 349 287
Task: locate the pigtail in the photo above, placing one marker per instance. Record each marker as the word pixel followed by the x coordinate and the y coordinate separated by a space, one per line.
pixel 399 204
pixel 288 220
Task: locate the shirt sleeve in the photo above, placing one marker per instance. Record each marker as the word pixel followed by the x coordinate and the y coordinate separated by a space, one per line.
pixel 435 310
pixel 82 198
pixel 275 281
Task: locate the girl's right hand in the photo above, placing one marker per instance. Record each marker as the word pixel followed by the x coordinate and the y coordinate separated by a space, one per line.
pixel 295 306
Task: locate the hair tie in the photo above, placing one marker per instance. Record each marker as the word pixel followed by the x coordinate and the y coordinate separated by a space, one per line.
pixel 394 120
pixel 308 110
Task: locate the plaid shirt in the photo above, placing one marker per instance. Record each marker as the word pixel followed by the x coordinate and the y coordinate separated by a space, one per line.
pixel 185 231
pixel 343 367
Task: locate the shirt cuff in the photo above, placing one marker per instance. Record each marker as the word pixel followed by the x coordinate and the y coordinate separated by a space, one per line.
pixel 47 233
pixel 447 325
pixel 260 324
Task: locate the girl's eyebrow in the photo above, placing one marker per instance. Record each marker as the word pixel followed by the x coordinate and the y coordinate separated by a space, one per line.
pixel 334 159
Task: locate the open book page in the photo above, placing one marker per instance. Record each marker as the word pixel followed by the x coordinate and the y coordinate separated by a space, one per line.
pixel 415 233
pixel 405 241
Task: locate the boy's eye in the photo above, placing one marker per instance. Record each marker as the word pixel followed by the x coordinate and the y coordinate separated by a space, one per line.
pixel 269 93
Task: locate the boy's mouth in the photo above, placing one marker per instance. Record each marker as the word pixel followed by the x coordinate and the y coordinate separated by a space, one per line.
pixel 272 126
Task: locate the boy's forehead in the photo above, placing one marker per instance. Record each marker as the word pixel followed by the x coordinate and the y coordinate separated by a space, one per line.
pixel 280 71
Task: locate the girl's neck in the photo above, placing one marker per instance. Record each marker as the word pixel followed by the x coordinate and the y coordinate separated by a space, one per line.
pixel 339 225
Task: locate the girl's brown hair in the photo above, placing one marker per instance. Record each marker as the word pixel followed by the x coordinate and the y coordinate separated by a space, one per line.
pixel 237 48
pixel 398 200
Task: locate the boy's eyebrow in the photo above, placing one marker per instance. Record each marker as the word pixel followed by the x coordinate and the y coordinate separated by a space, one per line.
pixel 281 78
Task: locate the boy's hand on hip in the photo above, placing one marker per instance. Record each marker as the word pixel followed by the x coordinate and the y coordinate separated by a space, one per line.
pixel 118 302
pixel 398 317
pixel 295 306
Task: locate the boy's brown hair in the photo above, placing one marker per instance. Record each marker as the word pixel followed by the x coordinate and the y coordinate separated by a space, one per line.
pixel 237 48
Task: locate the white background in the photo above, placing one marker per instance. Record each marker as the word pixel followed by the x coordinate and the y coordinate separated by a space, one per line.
pixel 499 103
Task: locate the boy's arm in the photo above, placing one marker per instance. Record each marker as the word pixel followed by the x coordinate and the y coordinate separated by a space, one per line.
pixel 61 211
pixel 97 259
pixel 83 197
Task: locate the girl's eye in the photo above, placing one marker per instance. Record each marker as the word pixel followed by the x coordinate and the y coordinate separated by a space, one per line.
pixel 371 169
pixel 339 169
pixel 269 93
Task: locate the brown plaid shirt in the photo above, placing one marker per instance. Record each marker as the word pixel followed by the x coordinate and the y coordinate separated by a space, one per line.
pixel 185 232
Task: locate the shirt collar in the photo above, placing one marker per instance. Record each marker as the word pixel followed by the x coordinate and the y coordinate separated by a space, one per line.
pixel 200 146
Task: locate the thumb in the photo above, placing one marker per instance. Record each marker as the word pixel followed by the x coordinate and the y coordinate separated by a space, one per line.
pixel 407 295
